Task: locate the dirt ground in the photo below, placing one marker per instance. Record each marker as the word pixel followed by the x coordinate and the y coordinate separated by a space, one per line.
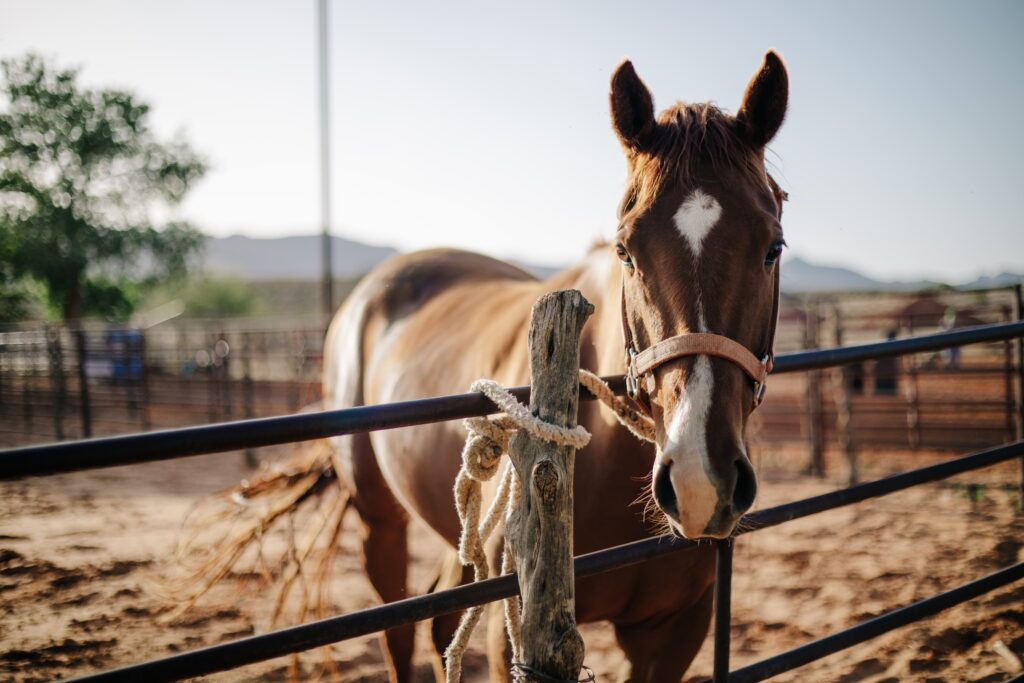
pixel 79 553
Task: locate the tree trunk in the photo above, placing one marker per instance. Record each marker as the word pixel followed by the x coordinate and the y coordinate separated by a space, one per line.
pixel 73 300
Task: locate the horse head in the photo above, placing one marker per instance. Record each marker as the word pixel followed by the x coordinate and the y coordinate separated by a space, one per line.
pixel 700 239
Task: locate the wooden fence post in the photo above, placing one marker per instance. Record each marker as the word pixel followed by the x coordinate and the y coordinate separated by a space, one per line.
pixel 540 530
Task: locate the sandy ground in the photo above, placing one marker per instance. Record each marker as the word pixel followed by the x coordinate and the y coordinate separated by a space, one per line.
pixel 78 554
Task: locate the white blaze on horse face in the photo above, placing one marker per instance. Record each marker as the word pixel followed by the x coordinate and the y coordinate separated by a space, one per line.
pixel 696 216
pixel 687 447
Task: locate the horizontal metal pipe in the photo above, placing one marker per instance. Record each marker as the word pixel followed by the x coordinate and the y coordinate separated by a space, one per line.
pixel 824 358
pixel 129 449
pixel 326 631
pixel 873 628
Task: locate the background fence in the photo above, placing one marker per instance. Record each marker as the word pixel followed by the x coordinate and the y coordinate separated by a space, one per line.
pixel 57 383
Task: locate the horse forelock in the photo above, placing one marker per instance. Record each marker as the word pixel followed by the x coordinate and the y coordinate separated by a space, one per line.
pixel 686 136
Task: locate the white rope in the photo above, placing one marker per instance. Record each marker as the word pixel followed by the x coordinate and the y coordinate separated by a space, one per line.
pixel 486 442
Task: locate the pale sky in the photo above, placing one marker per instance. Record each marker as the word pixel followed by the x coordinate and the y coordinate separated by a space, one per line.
pixel 486 126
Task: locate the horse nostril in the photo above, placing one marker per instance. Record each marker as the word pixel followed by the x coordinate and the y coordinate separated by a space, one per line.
pixel 664 494
pixel 746 487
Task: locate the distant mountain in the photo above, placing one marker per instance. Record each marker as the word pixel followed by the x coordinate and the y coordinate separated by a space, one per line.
pixel 289 258
pixel 1001 280
pixel 800 276
pixel 298 258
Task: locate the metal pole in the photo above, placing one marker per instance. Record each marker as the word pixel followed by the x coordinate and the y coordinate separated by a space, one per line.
pixel 844 405
pixel 1018 292
pixel 723 609
pixel 83 383
pixel 250 455
pixel 144 379
pixel 1009 402
pixel 814 410
pixel 325 166
pixel 56 380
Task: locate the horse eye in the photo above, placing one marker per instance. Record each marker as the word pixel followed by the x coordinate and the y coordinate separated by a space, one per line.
pixel 623 255
pixel 774 253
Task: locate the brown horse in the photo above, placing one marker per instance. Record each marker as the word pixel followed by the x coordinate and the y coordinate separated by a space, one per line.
pixel 697 250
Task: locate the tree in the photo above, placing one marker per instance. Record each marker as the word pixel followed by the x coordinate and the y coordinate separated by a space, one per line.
pixel 80 176
pixel 218 297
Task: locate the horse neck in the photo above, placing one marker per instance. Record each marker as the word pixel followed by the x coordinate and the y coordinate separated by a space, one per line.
pixel 598 277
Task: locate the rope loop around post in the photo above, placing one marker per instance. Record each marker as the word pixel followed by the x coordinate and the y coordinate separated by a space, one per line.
pixel 486 441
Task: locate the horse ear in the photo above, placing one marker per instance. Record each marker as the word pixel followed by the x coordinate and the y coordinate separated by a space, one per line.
pixel 764 104
pixel 632 107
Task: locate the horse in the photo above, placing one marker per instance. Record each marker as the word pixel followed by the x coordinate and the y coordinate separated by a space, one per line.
pixel 696 251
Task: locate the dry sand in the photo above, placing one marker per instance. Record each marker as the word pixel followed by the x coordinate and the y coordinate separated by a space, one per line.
pixel 77 553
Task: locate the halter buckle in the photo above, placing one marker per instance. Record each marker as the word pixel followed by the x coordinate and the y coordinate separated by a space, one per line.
pixel 760 387
pixel 632 381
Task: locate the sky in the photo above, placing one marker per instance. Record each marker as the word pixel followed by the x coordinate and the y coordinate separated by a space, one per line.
pixel 485 125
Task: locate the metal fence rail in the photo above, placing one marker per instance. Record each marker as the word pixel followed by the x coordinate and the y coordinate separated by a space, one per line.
pixel 227 436
pixel 873 628
pixel 335 629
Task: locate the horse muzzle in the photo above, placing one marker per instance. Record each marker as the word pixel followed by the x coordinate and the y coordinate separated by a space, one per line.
pixel 699 504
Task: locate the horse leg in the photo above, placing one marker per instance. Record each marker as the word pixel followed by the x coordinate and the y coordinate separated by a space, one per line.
pixel 662 653
pixel 384 526
pixel 499 652
pixel 450 574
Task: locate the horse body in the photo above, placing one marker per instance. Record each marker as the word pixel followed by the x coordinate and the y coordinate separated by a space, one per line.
pixel 399 309
pixel 696 251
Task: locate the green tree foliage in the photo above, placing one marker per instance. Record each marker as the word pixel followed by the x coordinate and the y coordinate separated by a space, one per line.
pixel 218 297
pixel 80 176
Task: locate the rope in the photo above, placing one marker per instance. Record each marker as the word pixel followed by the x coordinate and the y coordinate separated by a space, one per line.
pixel 486 442
pixel 636 422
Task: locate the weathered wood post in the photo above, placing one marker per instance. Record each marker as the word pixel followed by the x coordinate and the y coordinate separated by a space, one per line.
pixel 539 532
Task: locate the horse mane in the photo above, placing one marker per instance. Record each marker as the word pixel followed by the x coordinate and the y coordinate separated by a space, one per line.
pixel 687 134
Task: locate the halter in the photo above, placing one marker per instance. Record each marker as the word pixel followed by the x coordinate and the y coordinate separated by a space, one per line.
pixel 640 365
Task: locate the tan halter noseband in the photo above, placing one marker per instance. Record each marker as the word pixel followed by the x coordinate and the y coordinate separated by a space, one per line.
pixel 640 365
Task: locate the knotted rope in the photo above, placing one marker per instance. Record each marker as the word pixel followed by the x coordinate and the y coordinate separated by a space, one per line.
pixel 487 441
